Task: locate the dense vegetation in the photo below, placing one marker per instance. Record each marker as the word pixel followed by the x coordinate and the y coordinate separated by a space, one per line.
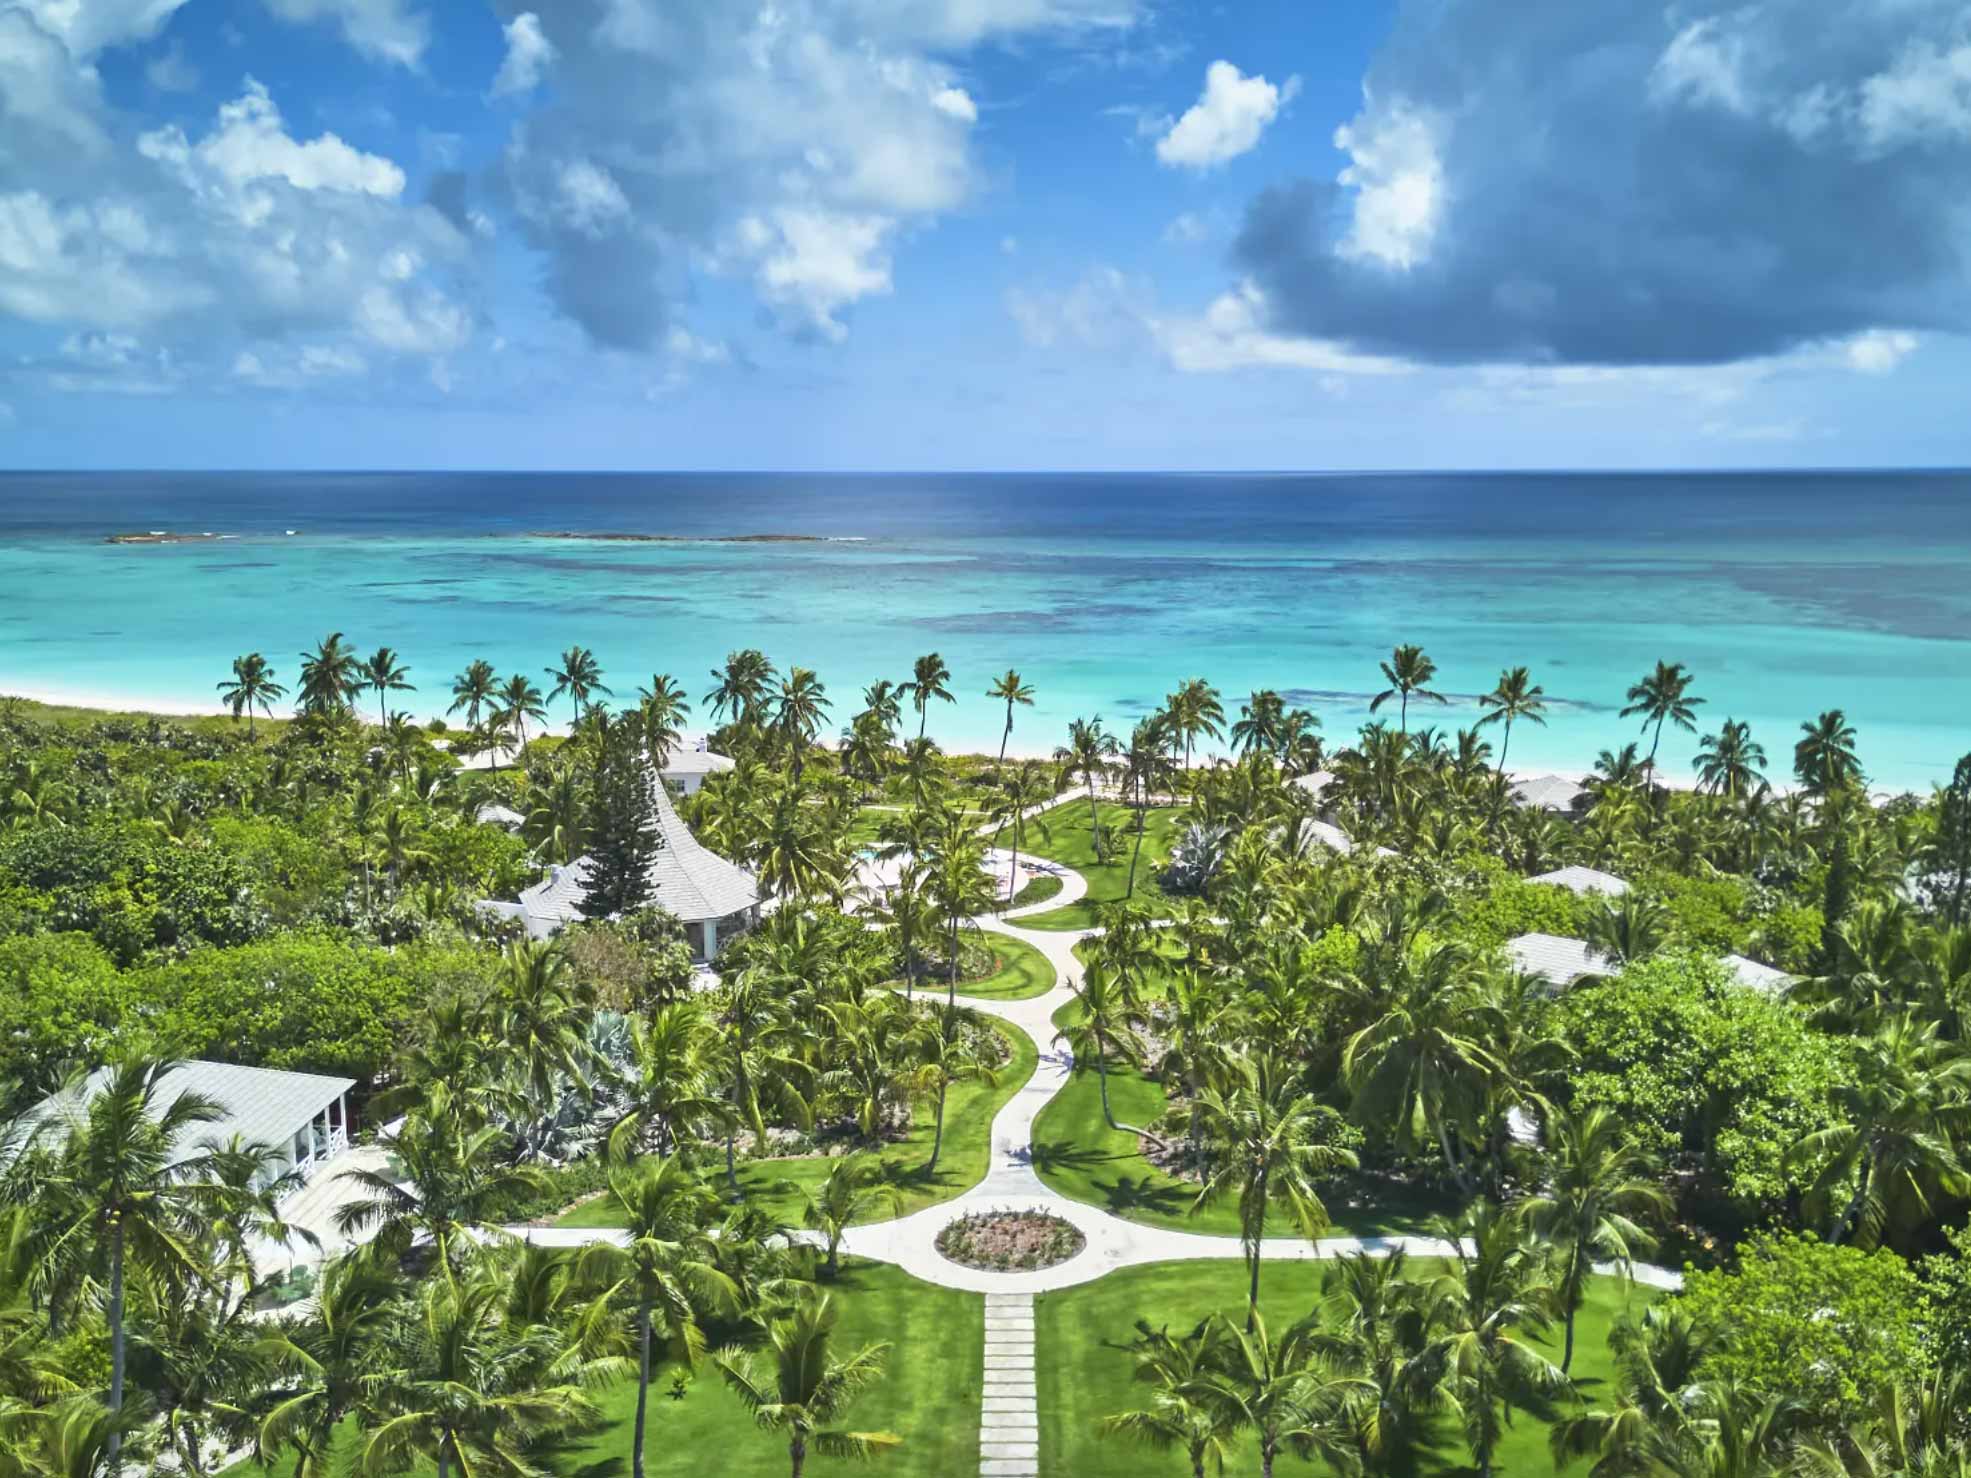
pixel 1298 1008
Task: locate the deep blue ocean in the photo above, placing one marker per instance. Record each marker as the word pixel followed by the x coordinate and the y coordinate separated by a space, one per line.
pixel 1786 593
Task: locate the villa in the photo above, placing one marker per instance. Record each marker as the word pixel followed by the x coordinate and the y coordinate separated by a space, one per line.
pixel 711 897
pixel 687 769
pixel 1558 961
pixel 1584 882
pixel 304 1116
pixel 1548 793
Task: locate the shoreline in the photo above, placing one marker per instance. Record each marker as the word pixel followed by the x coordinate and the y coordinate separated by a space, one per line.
pixel 107 704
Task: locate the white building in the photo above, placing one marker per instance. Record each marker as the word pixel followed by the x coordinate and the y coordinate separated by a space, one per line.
pixel 713 898
pixel 1558 961
pixel 304 1116
pixel 1548 793
pixel 1755 976
pixel 687 768
pixel 1585 882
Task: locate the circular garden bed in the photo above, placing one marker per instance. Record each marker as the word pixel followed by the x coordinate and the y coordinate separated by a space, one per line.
pixel 1010 1241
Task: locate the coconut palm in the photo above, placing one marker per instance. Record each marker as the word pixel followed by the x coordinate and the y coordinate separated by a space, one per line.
pixel 665 1269
pixel 1261 725
pixel 1407 672
pixel 929 678
pixel 123 1185
pixel 945 1055
pixel 330 677
pixel 1517 696
pixel 674 1086
pixel 384 674
pixel 1087 754
pixel 1729 761
pixel 1266 1141
pixel 1824 760
pixel 664 708
pixel 1199 1427
pixel 1596 1184
pixel 742 686
pixel 1102 1024
pixel 474 690
pixel 808 1386
pixel 322 1361
pixel 1282 1392
pixel 580 677
pixel 1195 713
pixel 1663 695
pixel 800 709
pixel 1630 928
pixel 1016 804
pixel 1657 1398
pixel 517 701
pixel 1009 688
pixel 251 687
pixel 856 1188
pixel 1146 769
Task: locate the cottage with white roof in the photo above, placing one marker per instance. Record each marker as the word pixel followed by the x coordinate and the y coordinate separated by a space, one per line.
pixel 1584 882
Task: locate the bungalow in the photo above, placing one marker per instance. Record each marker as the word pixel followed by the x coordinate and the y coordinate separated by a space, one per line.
pixel 686 769
pixel 1547 793
pixel 304 1116
pixel 1560 962
pixel 1755 976
pixel 1584 882
pixel 712 897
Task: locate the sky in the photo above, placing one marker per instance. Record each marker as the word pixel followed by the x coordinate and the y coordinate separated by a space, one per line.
pixel 984 234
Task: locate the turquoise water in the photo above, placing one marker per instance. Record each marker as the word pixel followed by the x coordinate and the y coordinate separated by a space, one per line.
pixel 1785 593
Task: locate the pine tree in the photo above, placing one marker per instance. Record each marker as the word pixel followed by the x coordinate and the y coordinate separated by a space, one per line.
pixel 623 837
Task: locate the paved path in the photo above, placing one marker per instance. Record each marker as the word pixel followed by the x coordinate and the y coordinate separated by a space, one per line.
pixel 1009 1414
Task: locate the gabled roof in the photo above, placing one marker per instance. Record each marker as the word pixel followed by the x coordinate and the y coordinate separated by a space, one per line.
pixel 1335 839
pixel 497 815
pixel 1556 960
pixel 1547 792
pixel 259 1103
pixel 1755 976
pixel 1314 782
pixel 1584 881
pixel 696 762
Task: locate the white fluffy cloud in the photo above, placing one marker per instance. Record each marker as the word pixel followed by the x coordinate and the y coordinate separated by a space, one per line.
pixel 528 54
pixel 251 143
pixel 384 29
pixel 1398 182
pixel 1231 334
pixel 1226 121
pixel 813 263
pixel 1879 350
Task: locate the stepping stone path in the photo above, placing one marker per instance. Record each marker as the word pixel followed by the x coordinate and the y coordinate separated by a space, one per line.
pixel 1009 1421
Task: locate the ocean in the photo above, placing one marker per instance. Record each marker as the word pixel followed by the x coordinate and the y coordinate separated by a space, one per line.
pixel 1785 593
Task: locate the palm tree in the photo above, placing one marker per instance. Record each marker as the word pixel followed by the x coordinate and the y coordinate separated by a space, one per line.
pixel 1281 1392
pixel 1016 805
pixel 252 686
pixel 1824 759
pixel 1517 696
pixel 1261 724
pixel 1597 1183
pixel 579 676
pixel 1102 1025
pixel 799 711
pixel 1657 1393
pixel 929 678
pixel 455 1184
pixel 1087 754
pixel 1480 1307
pixel 1263 1137
pixel 664 708
pixel 1898 1120
pixel 329 676
pixel 742 687
pixel 323 1360
pixel 666 1270
pixel 1630 928
pixel 384 674
pixel 1728 762
pixel 519 700
pixel 880 699
pixel 1184 1412
pixel 855 1189
pixel 1146 769
pixel 474 690
pixel 122 1187
pixel 1407 672
pixel 1195 713
pixel 1011 689
pixel 1663 694
pixel 809 1387
pixel 945 1056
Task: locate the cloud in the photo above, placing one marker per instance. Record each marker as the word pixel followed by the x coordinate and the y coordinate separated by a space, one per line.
pixel 794 144
pixel 1105 309
pixel 1186 229
pixel 1226 121
pixel 170 71
pixel 381 29
pixel 1879 350
pixel 1231 335
pixel 528 53
pixel 1534 181
pixel 85 27
pixel 251 144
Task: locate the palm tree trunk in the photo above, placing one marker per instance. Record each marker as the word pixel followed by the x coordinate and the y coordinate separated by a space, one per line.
pixel 951 977
pixel 1102 1074
pixel 642 1387
pixel 1094 817
pixel 1252 1289
pixel 797 1452
pixel 731 1174
pixel 115 1445
pixel 1142 820
pixel 1405 711
pixel 1855 1203
pixel 937 1136
pixel 1007 735
pixel 1013 877
pixel 1450 1156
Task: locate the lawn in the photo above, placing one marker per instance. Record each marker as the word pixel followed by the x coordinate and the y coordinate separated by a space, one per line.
pixel 1021 972
pixel 1083 1371
pixel 929 1396
pixel 1076 1153
pixel 869 821
pixel 968 1114
pixel 1107 881
pixel 1037 889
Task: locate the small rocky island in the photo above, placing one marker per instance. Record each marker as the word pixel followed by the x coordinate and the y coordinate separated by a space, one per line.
pixel 609 538
pixel 161 536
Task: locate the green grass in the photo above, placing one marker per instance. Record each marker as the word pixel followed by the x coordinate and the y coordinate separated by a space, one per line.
pixel 1083 1368
pixel 869 820
pixel 1022 971
pixel 967 1151
pixel 929 1396
pixel 1038 889
pixel 1107 881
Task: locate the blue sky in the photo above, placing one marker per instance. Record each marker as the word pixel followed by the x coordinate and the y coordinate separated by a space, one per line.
pixel 984 233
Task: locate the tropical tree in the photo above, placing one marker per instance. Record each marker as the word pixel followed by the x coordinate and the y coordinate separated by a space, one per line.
pixel 1102 1024
pixel 663 708
pixel 1262 724
pixel 1630 928
pixel 517 701
pixel 1408 672
pixel 1596 1185
pixel 945 1056
pixel 1009 688
pixel 1267 1142
pixel 330 677
pixel 383 674
pixel 1824 760
pixel 1517 696
pixel 1196 712
pixel 1729 762
pixel 251 687
pixel 1146 769
pixel 579 676
pixel 1016 803
pixel 1087 754
pixel 1663 695
pixel 323 1360
pixel 856 1188
pixel 1282 1392
pixel 808 1386
pixel 799 711
pixel 929 678
pixel 475 690
pixel 1658 1400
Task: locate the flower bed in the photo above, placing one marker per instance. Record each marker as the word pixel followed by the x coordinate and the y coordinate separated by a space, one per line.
pixel 1010 1241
